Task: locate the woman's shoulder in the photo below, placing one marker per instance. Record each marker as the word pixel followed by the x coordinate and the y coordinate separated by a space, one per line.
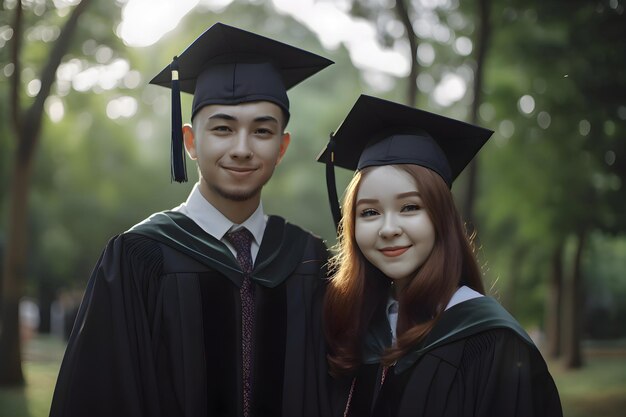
pixel 475 318
pixel 494 339
pixel 473 326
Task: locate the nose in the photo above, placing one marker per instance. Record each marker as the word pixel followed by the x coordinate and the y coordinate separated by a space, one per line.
pixel 241 148
pixel 390 228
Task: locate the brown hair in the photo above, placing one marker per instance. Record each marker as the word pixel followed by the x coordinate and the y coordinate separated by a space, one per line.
pixel 357 288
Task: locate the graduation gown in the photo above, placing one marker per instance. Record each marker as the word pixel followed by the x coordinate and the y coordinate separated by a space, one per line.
pixel 477 361
pixel 159 330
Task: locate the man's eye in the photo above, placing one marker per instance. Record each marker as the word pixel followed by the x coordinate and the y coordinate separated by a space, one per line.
pixel 263 131
pixel 368 213
pixel 221 129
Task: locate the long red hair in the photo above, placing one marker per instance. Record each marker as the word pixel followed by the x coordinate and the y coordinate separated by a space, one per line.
pixel 357 288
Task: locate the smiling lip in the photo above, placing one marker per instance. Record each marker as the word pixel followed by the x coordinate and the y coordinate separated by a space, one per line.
pixel 239 170
pixel 394 251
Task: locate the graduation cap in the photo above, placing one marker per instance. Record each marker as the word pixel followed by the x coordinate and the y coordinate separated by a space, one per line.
pixel 380 132
pixel 227 65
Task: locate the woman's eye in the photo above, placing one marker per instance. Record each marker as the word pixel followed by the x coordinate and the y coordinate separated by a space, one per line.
pixel 410 207
pixel 368 213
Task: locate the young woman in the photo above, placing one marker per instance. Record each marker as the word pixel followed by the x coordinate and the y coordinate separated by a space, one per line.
pixel 408 327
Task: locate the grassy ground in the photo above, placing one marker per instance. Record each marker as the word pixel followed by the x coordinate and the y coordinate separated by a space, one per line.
pixel 42 358
pixel 597 390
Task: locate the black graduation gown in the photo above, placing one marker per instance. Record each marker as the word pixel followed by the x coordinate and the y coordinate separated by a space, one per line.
pixel 477 361
pixel 159 330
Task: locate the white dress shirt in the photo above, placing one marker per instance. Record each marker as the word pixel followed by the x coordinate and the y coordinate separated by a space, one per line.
pixel 462 294
pixel 212 221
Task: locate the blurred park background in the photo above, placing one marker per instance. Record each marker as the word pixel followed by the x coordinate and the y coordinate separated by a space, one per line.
pixel 84 154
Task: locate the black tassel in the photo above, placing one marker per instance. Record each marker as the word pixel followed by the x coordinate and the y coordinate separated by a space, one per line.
pixel 331 184
pixel 179 169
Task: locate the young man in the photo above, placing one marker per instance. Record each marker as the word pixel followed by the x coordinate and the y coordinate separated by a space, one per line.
pixel 213 308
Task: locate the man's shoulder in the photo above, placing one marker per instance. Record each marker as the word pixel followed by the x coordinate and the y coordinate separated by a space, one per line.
pixel 294 232
pixel 171 229
pixel 156 220
pixel 292 228
pixel 140 233
pixel 288 250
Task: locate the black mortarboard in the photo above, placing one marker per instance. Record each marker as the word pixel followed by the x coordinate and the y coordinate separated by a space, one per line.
pixel 227 65
pixel 380 132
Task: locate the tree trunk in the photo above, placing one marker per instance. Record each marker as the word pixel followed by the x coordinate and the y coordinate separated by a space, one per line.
pixel 402 12
pixel 14 272
pixel 575 305
pixel 484 35
pixel 554 304
pixel 27 130
pixel 1 281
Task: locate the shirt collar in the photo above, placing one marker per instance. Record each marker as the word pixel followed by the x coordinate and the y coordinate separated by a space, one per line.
pixel 212 221
pixel 392 305
pixel 462 294
pixel 255 224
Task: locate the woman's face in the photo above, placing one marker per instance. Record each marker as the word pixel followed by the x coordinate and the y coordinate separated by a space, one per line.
pixel 392 228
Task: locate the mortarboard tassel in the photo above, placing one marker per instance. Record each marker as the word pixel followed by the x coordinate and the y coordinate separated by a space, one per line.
pixel 331 184
pixel 179 170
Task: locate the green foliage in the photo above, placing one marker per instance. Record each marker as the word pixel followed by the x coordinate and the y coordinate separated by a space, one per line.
pixel 540 181
pixel 556 169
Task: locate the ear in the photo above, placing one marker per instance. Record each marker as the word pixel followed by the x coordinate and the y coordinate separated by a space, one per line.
pixel 284 144
pixel 190 141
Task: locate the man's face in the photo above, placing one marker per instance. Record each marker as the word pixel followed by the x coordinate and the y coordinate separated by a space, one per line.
pixel 237 148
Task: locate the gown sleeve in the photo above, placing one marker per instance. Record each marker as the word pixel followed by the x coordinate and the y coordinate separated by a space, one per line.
pixel 502 375
pixel 108 366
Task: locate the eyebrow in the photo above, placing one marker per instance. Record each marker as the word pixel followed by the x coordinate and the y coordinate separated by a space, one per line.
pixel 398 197
pixel 266 119
pixel 366 201
pixel 224 116
pixel 409 194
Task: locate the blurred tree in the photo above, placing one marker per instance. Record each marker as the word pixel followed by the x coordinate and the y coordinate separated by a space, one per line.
pixel 482 39
pixel 6 145
pixel 403 10
pixel 26 129
pixel 384 14
pixel 604 266
pixel 557 153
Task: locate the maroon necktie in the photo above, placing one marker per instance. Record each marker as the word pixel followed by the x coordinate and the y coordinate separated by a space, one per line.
pixel 241 240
